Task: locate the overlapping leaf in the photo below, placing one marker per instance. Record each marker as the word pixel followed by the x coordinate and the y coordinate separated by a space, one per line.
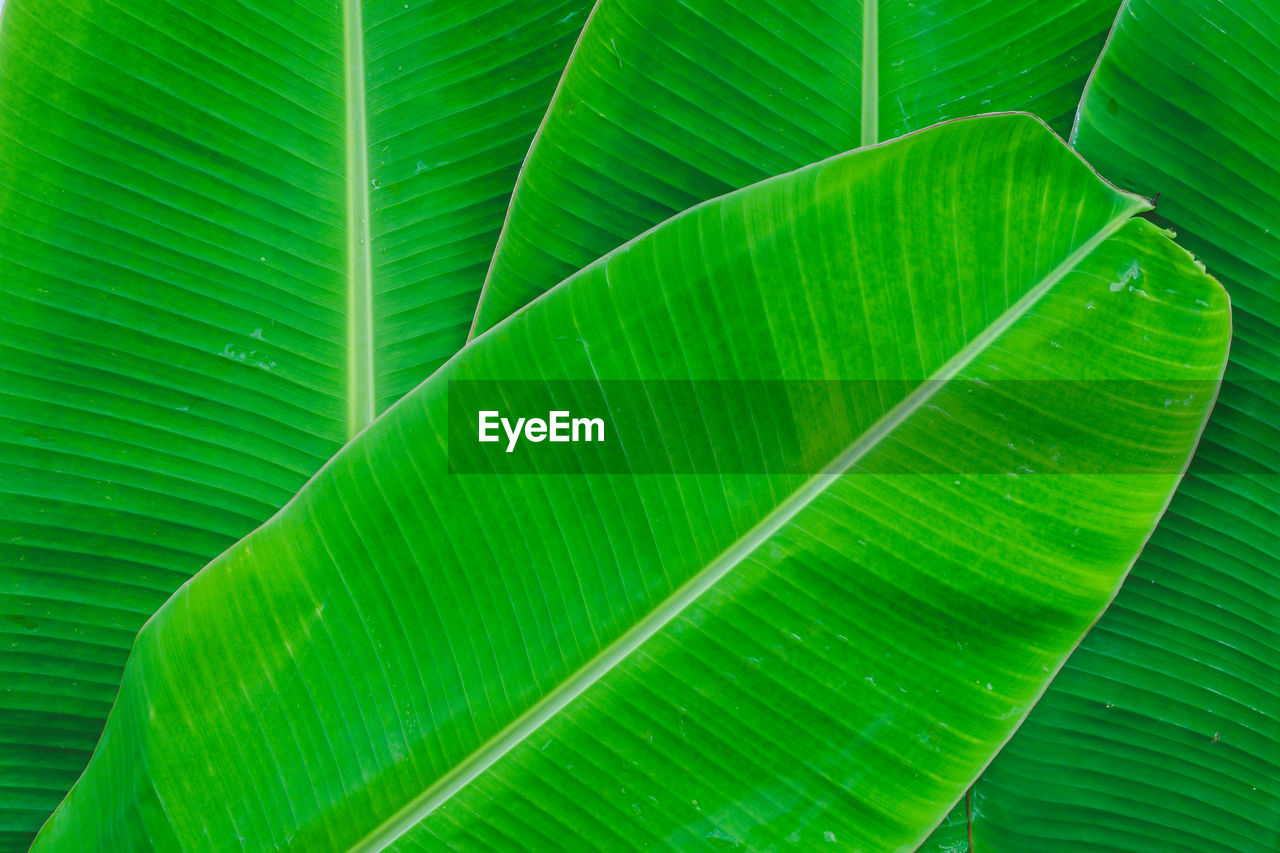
pixel 230 233
pixel 670 102
pixel 1163 731
pixel 605 661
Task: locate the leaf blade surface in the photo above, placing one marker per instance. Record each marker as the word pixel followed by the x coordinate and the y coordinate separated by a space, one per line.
pixel 227 244
pixel 1162 730
pixel 533 661
pixel 667 104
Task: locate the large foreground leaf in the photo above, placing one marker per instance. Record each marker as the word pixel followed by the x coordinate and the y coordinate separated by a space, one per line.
pixel 229 233
pixel 1163 731
pixel 687 661
pixel 670 102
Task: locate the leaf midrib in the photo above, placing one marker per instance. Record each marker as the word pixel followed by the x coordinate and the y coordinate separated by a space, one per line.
pixel 606 660
pixel 360 390
pixel 870 72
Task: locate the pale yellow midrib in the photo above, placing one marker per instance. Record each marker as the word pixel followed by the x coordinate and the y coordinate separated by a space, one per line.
pixel 360 378
pixel 591 672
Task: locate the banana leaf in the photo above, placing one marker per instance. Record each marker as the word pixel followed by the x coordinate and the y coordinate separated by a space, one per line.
pixel 230 234
pixel 667 103
pixel 789 639
pixel 1163 730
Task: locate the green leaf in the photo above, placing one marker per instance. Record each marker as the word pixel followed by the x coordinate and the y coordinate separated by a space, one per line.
pixel 952 835
pixel 710 659
pixel 667 103
pixel 230 232
pixel 1163 731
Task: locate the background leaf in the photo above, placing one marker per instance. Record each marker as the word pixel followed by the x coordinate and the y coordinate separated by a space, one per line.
pixel 224 248
pixel 670 102
pixel 608 661
pixel 1163 730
